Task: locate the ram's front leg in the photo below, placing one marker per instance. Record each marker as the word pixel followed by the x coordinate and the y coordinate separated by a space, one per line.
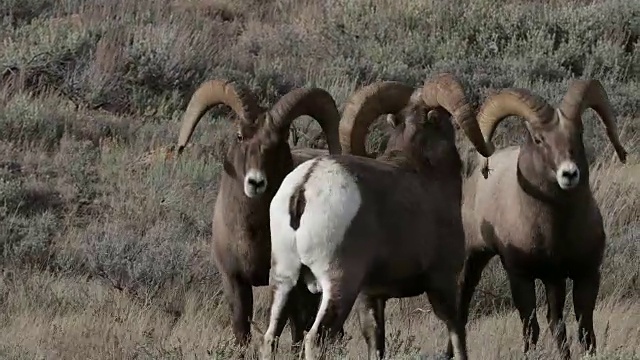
pixel 370 313
pixel 239 295
pixel 585 293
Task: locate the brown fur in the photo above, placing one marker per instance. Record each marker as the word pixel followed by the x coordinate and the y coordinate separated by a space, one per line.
pixel 241 235
pixel 407 237
pixel 431 154
pixel 421 162
pixel 539 230
pixel 431 247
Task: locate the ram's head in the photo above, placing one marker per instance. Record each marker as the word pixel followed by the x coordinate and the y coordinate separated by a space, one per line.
pixel 555 145
pixel 261 157
pixel 420 119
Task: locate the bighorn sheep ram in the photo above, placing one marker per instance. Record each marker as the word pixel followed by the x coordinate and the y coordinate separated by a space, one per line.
pixel 536 210
pixel 254 167
pixel 386 228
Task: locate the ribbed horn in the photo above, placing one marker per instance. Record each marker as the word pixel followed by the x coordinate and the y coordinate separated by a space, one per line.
pixel 446 91
pixel 314 102
pixel 214 92
pixel 364 106
pixel 507 102
pixel 583 94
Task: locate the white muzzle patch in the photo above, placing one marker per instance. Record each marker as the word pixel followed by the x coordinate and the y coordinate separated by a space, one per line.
pixel 255 183
pixel 568 175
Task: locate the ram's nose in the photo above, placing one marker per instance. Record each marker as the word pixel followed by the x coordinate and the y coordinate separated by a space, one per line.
pixel 568 175
pixel 255 183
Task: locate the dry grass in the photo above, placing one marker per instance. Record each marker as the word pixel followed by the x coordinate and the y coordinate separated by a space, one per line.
pixel 104 255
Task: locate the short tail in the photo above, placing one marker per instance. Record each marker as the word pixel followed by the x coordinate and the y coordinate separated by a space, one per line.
pixel 297 203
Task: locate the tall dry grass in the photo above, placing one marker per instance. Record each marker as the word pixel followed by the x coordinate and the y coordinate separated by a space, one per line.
pixel 106 255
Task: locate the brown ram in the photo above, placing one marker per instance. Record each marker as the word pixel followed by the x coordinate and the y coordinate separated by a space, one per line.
pixel 536 210
pixel 385 228
pixel 253 170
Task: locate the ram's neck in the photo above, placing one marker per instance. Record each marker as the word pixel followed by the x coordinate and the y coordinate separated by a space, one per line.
pixel 402 160
pixel 541 188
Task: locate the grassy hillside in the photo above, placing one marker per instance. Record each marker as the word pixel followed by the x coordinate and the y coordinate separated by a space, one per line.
pixel 103 253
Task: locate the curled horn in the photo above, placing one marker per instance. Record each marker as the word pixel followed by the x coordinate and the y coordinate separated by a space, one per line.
pixel 583 94
pixel 215 92
pixel 364 106
pixel 314 102
pixel 445 91
pixel 507 102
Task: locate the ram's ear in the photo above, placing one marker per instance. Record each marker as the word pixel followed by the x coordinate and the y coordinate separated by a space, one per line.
pixel 527 125
pixel 531 130
pixel 440 114
pixel 393 120
pixel 432 116
pixel 561 116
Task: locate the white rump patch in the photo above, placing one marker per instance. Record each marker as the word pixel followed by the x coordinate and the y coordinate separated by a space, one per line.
pixel 332 201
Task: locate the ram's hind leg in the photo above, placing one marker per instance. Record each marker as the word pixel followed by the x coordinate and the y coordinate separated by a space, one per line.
pixel 475 262
pixel 282 288
pixel 474 265
pixel 442 291
pixel 371 317
pixel 295 311
pixel 339 292
pixel 301 309
pixel 284 274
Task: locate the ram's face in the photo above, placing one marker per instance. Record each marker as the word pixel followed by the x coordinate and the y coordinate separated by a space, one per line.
pixel 559 148
pixel 258 157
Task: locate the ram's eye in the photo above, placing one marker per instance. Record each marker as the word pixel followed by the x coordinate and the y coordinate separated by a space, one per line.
pixel 239 137
pixel 538 139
